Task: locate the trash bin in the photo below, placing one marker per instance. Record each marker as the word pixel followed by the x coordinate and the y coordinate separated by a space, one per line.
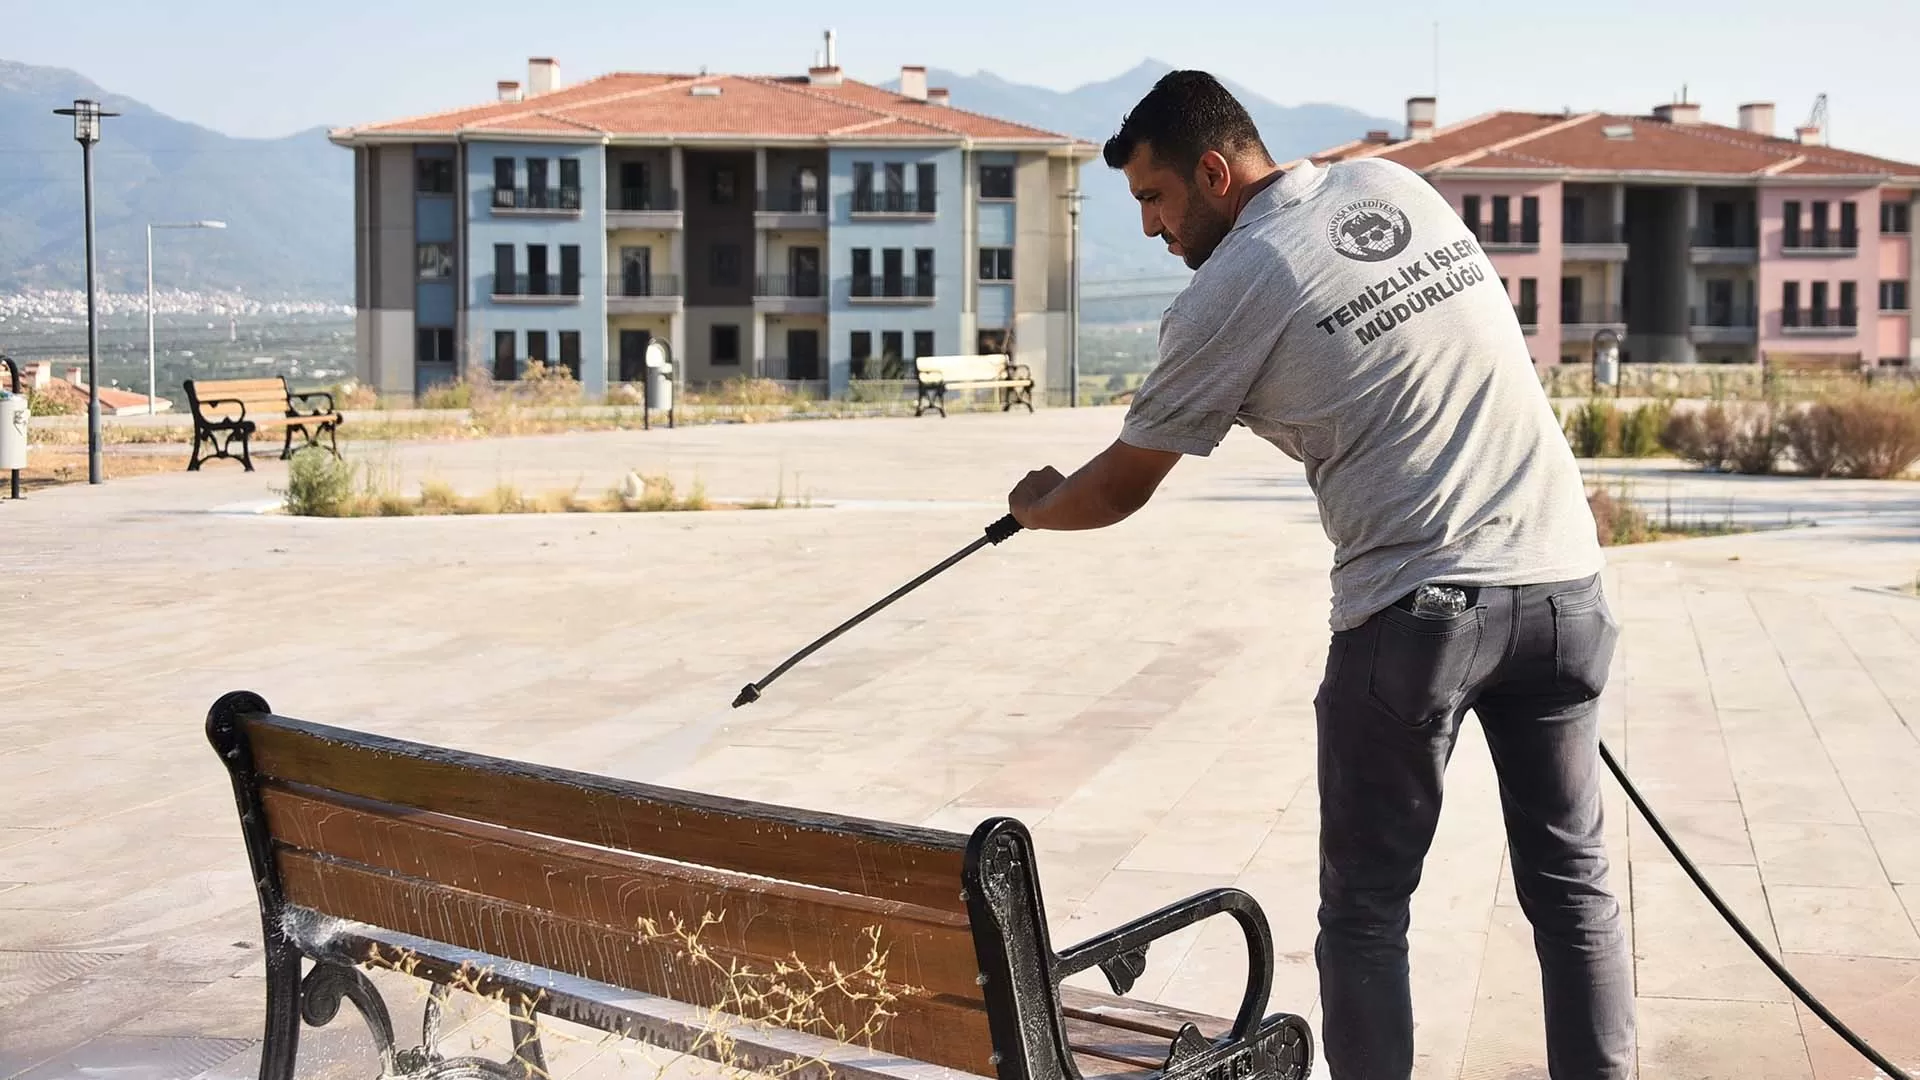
pixel 13 431
pixel 659 375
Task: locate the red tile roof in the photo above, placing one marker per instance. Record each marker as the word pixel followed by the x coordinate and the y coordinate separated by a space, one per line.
pixel 747 106
pixel 1579 143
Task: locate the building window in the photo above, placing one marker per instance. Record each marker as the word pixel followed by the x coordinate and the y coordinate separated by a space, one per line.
pixel 433 345
pixel 1530 219
pixel 503 194
pixel 924 188
pixel 725 186
pixel 896 177
pixel 1790 221
pixel 505 366
pixel 1529 301
pixel 892 351
pixel 570 177
pixel 923 271
pixel 436 260
pixel 862 182
pixel 724 273
pixel 537 347
pixel 503 275
pixel 1849 303
pixel 996 264
pixel 1818 303
pixel 991 342
pixel 726 345
pixel 570 352
pixel 860 349
pixel 996 181
pixel 1470 213
pixel 1790 303
pixel 433 176
pixel 1893 296
pixel 1502 221
pixel 1896 217
pixel 922 343
pixel 1849 224
pixel 570 269
pixel 538 283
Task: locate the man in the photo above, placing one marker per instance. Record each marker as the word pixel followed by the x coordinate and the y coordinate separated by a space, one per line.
pixel 1346 315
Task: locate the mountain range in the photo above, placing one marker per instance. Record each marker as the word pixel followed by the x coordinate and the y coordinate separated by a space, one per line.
pixel 288 202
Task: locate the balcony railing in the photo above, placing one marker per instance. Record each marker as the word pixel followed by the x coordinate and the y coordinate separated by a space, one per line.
pixel 893 202
pixel 1592 314
pixel 1580 232
pixel 1724 318
pixel 642 285
pixel 558 286
pixel 803 286
pixel 1528 314
pixel 795 202
pixel 1817 320
pixel 1710 237
pixel 1837 240
pixel 564 200
pixel 642 200
pixel 883 287
pixel 1514 235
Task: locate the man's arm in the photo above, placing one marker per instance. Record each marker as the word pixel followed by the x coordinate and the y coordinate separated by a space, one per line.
pixel 1105 491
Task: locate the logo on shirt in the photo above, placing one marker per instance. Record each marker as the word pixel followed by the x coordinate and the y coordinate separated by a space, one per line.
pixel 1370 230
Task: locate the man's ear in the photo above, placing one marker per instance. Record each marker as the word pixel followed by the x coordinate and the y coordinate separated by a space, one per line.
pixel 1214 174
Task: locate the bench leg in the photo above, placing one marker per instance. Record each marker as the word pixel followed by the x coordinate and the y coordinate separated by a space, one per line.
pixel 199 437
pixel 333 439
pixel 281 1044
pixel 286 448
pixel 529 1058
pixel 246 448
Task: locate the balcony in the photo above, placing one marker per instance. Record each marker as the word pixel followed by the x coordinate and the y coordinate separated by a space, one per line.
pixel 790 210
pixel 535 289
pixel 784 294
pixel 634 293
pixel 1581 242
pixel 1724 245
pixel 555 201
pixel 644 208
pixel 1529 316
pixel 1582 321
pixel 1507 236
pixel 894 204
pixel 880 289
pixel 1820 322
pixel 1840 242
pixel 1723 324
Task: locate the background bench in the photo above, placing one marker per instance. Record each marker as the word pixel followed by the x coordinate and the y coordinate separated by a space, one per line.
pixel 529 883
pixel 229 409
pixel 994 371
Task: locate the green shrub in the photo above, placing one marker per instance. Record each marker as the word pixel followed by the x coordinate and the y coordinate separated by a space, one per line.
pixel 43 404
pixel 1640 433
pixel 319 485
pixel 1594 429
pixel 1617 520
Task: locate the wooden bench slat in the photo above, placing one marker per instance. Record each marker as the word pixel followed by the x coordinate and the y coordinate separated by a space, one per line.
pixel 769 921
pixel 852 855
pixel 282 421
pixel 1147 1018
pixel 936 1029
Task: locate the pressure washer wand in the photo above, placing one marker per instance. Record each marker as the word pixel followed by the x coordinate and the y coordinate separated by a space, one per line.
pixel 995 533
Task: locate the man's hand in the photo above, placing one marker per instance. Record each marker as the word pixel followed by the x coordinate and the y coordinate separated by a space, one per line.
pixel 1104 491
pixel 1038 485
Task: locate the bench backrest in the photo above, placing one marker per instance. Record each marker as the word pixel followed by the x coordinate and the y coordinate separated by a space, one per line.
pixel 953 369
pixel 561 869
pixel 262 397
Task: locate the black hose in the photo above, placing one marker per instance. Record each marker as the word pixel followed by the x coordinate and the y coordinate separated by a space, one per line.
pixel 995 533
pixel 1773 964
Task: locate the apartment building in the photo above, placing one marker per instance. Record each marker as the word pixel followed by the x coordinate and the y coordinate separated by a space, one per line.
pixel 809 229
pixel 1697 242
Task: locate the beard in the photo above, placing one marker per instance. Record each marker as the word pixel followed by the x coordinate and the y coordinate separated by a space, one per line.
pixel 1201 230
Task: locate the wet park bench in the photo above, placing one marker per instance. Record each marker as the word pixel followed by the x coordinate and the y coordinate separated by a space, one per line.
pixel 229 409
pixel 551 891
pixel 936 375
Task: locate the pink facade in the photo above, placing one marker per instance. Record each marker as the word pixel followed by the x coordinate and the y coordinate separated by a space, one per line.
pixel 1896 253
pixel 1542 263
pixel 1894 338
pixel 1834 266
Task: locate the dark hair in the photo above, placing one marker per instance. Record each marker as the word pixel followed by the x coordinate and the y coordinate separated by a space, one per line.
pixel 1186 114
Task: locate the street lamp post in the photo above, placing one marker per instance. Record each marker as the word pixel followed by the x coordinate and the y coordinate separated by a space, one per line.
pixel 1073 299
pixel 86 131
pixel 152 389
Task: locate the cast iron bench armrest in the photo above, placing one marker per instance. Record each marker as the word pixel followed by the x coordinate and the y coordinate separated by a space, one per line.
pixel 295 395
pixel 1121 954
pixel 209 403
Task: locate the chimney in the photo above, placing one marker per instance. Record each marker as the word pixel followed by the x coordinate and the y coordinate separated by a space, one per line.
pixel 939 95
pixel 1420 114
pixel 73 376
pixel 1379 137
pixel 509 90
pixel 831 61
pixel 913 82
pixel 1757 117
pixel 1678 113
pixel 543 75
pixel 826 73
pixel 1810 135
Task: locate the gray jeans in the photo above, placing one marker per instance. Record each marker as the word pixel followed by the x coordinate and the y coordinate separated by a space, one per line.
pixel 1530 661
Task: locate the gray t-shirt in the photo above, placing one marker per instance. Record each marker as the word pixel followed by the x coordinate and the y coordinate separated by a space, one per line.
pixel 1350 319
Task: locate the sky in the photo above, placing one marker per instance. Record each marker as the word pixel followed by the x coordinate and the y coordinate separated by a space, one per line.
pixel 254 68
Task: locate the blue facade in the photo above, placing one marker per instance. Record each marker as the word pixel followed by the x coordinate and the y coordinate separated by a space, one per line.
pixel 585 314
pixel 944 234
pixel 435 291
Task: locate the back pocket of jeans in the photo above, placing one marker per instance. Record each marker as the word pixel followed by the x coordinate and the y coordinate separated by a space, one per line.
pixel 1584 635
pixel 1421 666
